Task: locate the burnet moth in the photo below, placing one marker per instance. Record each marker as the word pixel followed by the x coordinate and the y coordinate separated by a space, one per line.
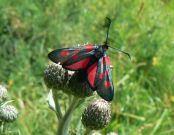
pixel 93 60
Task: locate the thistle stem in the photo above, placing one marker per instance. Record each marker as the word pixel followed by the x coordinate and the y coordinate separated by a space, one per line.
pixel 58 109
pixel 3 128
pixel 64 122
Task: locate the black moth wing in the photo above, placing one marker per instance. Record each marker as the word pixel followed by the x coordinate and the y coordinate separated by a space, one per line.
pixel 104 83
pixel 74 58
pixel 80 60
pixel 65 54
pixel 62 55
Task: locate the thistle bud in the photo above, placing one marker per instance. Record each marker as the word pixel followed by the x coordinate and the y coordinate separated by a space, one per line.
pixel 56 77
pixel 79 86
pixel 8 113
pixel 97 115
pixel 3 93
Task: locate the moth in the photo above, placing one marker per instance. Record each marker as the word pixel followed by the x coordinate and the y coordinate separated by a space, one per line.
pixel 93 60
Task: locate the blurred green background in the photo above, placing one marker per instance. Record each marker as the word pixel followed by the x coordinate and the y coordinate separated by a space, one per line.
pixel 144 87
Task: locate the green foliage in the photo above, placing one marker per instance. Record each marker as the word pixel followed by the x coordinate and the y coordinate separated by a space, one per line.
pixel 144 96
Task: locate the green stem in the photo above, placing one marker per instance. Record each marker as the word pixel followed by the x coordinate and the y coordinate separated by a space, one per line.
pixel 159 122
pixel 64 122
pixel 58 110
pixel 3 128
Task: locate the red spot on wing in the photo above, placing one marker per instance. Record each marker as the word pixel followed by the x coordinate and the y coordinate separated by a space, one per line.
pixel 106 61
pixel 75 57
pixel 89 47
pixel 92 70
pixel 79 65
pixel 107 84
pixel 102 75
pixel 64 53
pixel 76 51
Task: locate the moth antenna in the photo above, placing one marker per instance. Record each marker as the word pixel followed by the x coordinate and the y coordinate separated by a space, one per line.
pixel 121 51
pixel 108 27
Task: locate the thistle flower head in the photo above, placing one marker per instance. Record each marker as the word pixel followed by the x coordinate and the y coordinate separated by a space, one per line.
pixel 97 115
pixel 8 113
pixel 3 93
pixel 70 82
pixel 56 77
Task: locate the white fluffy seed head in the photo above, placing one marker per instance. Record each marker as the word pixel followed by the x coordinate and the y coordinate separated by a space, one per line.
pixel 8 113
